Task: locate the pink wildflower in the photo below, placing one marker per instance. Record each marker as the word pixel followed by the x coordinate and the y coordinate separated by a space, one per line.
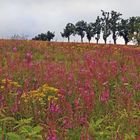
pixel 54 108
pixel 14 49
pixel 105 96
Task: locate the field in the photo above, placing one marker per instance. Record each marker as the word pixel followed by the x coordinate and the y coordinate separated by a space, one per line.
pixel 69 91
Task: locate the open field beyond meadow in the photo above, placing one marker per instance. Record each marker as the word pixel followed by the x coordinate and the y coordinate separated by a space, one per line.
pixel 69 91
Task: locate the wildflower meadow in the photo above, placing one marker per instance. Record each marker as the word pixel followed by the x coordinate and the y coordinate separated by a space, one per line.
pixel 69 91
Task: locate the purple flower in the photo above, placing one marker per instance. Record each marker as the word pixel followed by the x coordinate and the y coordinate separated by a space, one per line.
pixel 67 123
pixel 14 49
pixel 105 96
pixel 29 54
pixel 83 120
pixel 54 108
pixel 52 137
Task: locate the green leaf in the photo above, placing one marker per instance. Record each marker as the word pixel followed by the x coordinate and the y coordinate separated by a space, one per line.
pixel 23 122
pixel 7 119
pixel 38 137
pixel 13 136
pixel 37 129
pixel 25 129
pixel 98 122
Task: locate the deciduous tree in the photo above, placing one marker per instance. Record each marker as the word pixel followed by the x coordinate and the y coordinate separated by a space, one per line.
pixel 105 25
pixel 90 32
pixel 124 30
pixel 80 28
pixel 114 22
pixel 68 31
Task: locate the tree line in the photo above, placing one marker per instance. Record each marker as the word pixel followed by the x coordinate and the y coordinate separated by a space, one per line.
pixel 109 23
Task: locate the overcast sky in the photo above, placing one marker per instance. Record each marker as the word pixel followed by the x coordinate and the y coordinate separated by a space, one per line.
pixel 30 17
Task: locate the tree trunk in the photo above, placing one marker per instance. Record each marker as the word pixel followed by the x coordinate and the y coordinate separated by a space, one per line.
pixel 126 39
pixel 82 39
pixel 138 42
pixel 114 41
pixel 68 39
pixel 126 42
pixel 89 40
pixel 105 40
pixel 97 40
pixel 114 38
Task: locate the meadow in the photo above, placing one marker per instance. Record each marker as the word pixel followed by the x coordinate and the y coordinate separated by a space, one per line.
pixel 69 91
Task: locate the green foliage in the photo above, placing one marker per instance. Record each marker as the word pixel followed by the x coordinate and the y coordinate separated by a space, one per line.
pixel 124 30
pixel 13 136
pixel 25 132
pixel 114 23
pixel 90 32
pixel 109 126
pixel 105 25
pixel 110 23
pixel 97 28
pixel 30 132
pixel 74 134
pixel 4 62
pixel 21 129
pixel 68 31
pixel 96 129
pixel 81 28
pixel 23 122
pixel 45 37
pixel 134 25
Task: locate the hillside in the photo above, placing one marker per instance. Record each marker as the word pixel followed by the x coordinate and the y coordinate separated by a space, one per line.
pixel 69 91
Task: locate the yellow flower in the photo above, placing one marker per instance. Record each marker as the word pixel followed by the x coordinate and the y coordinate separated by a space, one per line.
pixel 24 95
pixel 15 84
pixel 3 81
pixel 52 89
pixel 55 98
pixel 52 97
pixel 40 93
pixel 10 82
pixel 2 87
pixel 45 86
pixel 6 80
pixel 25 100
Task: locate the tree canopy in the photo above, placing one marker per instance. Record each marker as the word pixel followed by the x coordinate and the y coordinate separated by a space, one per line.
pixel 108 24
pixel 68 31
pixel 45 36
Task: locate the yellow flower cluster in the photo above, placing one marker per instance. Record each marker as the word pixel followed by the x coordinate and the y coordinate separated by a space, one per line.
pixel 9 83
pixel 2 87
pixel 43 92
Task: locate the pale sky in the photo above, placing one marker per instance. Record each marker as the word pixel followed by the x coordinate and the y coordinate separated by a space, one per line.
pixel 31 17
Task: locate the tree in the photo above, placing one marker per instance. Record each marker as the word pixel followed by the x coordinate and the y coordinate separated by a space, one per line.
pixel 137 31
pixel 105 25
pixel 134 26
pixel 41 36
pixel 114 19
pixel 97 28
pixel 90 32
pixel 19 37
pixel 50 35
pixel 80 28
pixel 124 30
pixel 45 37
pixel 68 31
